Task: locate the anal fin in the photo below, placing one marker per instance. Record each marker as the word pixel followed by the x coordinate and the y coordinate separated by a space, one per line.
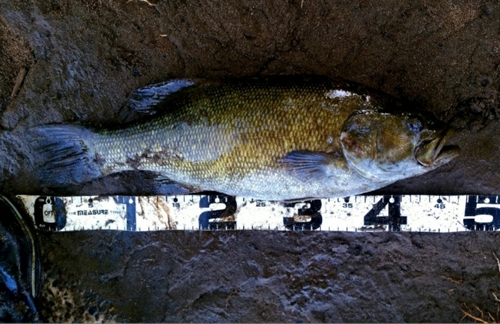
pixel 165 186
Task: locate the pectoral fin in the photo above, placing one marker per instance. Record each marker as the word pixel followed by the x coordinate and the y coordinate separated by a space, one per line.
pixel 308 165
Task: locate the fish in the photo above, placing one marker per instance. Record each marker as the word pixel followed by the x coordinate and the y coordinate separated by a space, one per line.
pixel 273 138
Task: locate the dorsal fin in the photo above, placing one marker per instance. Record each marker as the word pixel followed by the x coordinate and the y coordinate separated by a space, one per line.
pixel 147 100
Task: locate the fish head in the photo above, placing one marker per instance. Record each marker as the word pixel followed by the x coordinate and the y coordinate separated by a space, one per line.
pixel 385 147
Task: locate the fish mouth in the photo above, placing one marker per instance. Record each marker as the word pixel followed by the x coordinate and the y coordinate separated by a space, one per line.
pixel 434 152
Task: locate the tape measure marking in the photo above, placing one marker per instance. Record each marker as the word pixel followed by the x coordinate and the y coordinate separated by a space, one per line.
pixel 221 212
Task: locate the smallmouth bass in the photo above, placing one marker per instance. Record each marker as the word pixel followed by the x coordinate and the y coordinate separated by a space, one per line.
pixel 278 138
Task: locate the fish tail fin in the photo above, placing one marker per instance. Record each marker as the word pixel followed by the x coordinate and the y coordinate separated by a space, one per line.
pixel 66 155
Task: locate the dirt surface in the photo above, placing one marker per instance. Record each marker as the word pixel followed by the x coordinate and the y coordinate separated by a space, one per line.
pixel 268 276
pixel 66 61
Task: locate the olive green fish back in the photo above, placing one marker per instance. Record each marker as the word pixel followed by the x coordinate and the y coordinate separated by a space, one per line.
pixel 222 131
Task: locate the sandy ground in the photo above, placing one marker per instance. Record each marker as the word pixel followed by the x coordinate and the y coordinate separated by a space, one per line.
pixel 77 62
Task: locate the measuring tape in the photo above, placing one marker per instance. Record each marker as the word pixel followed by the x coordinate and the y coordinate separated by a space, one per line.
pixel 408 213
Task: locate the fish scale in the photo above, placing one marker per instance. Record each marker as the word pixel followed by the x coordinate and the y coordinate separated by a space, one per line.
pixel 251 148
pixel 278 138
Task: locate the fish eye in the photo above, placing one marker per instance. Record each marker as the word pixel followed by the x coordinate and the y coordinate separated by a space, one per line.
pixel 415 125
